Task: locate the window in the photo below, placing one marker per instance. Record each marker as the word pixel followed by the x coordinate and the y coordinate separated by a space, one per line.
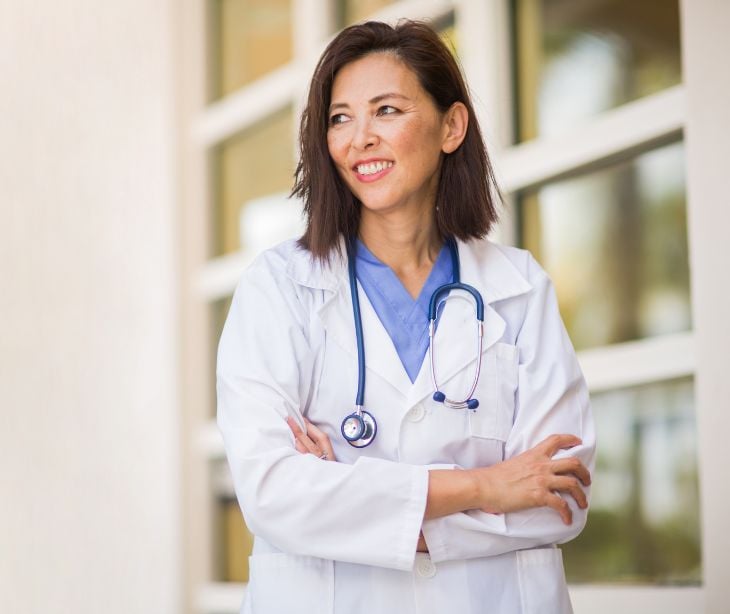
pixel 249 38
pixel 583 107
pixel 577 59
pixel 614 241
pixel 612 234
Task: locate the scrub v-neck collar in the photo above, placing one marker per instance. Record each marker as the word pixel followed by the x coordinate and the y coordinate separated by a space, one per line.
pixel 404 318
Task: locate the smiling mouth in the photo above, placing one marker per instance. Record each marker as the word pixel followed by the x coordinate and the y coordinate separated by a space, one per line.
pixel 373 168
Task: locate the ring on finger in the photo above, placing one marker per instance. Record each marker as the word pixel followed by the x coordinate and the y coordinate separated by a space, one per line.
pixel 323 456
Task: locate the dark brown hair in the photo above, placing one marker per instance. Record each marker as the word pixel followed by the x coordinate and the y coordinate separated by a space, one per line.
pixel 465 200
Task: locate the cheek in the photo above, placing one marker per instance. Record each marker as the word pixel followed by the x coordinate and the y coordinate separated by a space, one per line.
pixel 421 143
pixel 337 148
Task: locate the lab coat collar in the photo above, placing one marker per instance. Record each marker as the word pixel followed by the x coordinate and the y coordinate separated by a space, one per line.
pixel 305 270
pixel 483 265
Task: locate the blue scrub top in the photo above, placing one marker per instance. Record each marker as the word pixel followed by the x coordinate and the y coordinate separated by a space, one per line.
pixel 405 319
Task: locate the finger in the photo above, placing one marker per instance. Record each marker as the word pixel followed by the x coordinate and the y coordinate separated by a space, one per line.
pixel 561 506
pixel 321 439
pixel 302 438
pixel 552 444
pixel 572 487
pixel 299 447
pixel 573 465
pixel 293 425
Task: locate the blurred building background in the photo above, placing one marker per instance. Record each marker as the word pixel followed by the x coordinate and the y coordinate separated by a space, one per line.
pixel 147 152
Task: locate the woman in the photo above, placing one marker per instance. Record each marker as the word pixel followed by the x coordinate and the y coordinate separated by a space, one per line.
pixel 426 508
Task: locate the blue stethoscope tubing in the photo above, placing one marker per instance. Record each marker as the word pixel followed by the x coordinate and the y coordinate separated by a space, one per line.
pixel 360 427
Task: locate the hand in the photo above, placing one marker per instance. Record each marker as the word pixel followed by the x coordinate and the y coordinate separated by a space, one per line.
pixel 314 441
pixel 533 479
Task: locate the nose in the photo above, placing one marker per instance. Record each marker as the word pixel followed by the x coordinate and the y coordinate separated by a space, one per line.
pixel 365 136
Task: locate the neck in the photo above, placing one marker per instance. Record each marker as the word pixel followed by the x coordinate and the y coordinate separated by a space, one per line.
pixel 404 243
pixel 409 245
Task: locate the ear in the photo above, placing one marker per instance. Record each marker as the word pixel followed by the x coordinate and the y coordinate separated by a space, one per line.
pixel 456 122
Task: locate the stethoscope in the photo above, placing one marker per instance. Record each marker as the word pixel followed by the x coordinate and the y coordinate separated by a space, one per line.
pixel 359 428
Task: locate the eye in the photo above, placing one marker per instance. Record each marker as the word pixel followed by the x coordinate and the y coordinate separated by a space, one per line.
pixel 386 109
pixel 339 118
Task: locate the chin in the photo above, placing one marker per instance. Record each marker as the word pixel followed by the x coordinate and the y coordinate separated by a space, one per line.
pixel 376 202
pixel 378 206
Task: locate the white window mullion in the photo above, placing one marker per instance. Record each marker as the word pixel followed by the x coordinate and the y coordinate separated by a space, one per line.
pixel 638 362
pixel 631 128
pixel 598 599
pixel 485 53
pixel 413 9
pixel 246 107
pixel 484 50
pixel 220 598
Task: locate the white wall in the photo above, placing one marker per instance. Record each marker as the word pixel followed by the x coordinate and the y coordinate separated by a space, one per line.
pixel 89 427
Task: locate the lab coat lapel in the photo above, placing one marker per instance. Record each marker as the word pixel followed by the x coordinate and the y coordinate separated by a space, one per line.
pixel 486 268
pixel 381 358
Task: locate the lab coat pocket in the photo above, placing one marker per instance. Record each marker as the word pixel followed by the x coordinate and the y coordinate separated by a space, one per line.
pixel 542 581
pixel 496 393
pixel 282 583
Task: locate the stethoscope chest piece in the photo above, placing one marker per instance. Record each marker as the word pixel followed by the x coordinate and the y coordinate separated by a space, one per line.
pixel 359 429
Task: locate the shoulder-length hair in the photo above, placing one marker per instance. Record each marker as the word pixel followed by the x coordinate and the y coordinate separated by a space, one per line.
pixel 467 190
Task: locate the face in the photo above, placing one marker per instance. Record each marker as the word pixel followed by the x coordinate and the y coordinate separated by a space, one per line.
pixel 385 135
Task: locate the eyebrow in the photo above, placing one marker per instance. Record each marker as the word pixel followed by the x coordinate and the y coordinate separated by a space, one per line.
pixel 374 100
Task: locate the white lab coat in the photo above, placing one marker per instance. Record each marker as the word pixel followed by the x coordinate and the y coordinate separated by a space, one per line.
pixel 340 537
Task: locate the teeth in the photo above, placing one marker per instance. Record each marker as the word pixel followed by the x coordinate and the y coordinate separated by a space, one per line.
pixel 373 167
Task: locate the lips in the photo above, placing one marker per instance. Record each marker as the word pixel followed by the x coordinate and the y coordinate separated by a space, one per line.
pixel 372 169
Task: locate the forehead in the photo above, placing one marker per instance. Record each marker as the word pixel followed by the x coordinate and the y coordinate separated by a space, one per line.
pixel 373 75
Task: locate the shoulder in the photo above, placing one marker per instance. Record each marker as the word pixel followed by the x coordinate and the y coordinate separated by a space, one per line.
pixel 273 261
pixel 521 259
pixel 285 276
pixel 503 272
pixel 265 282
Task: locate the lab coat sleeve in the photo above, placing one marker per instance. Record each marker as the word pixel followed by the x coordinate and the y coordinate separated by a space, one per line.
pixel 552 397
pixel 369 512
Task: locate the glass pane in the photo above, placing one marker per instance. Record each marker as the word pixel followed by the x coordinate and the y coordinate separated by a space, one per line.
pixel 352 11
pixel 256 163
pixel 644 524
pixel 218 312
pixel 576 59
pixel 447 29
pixel 249 38
pixel 615 244
pixel 236 542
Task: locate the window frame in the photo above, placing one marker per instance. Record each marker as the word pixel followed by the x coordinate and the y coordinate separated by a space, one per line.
pixel 484 32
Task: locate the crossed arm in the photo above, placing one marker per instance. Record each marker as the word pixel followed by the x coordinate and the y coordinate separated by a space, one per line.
pixel 531 479
pixel 523 502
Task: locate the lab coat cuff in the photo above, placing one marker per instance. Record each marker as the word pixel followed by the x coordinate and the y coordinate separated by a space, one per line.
pixel 444 535
pixel 430 534
pixel 412 519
